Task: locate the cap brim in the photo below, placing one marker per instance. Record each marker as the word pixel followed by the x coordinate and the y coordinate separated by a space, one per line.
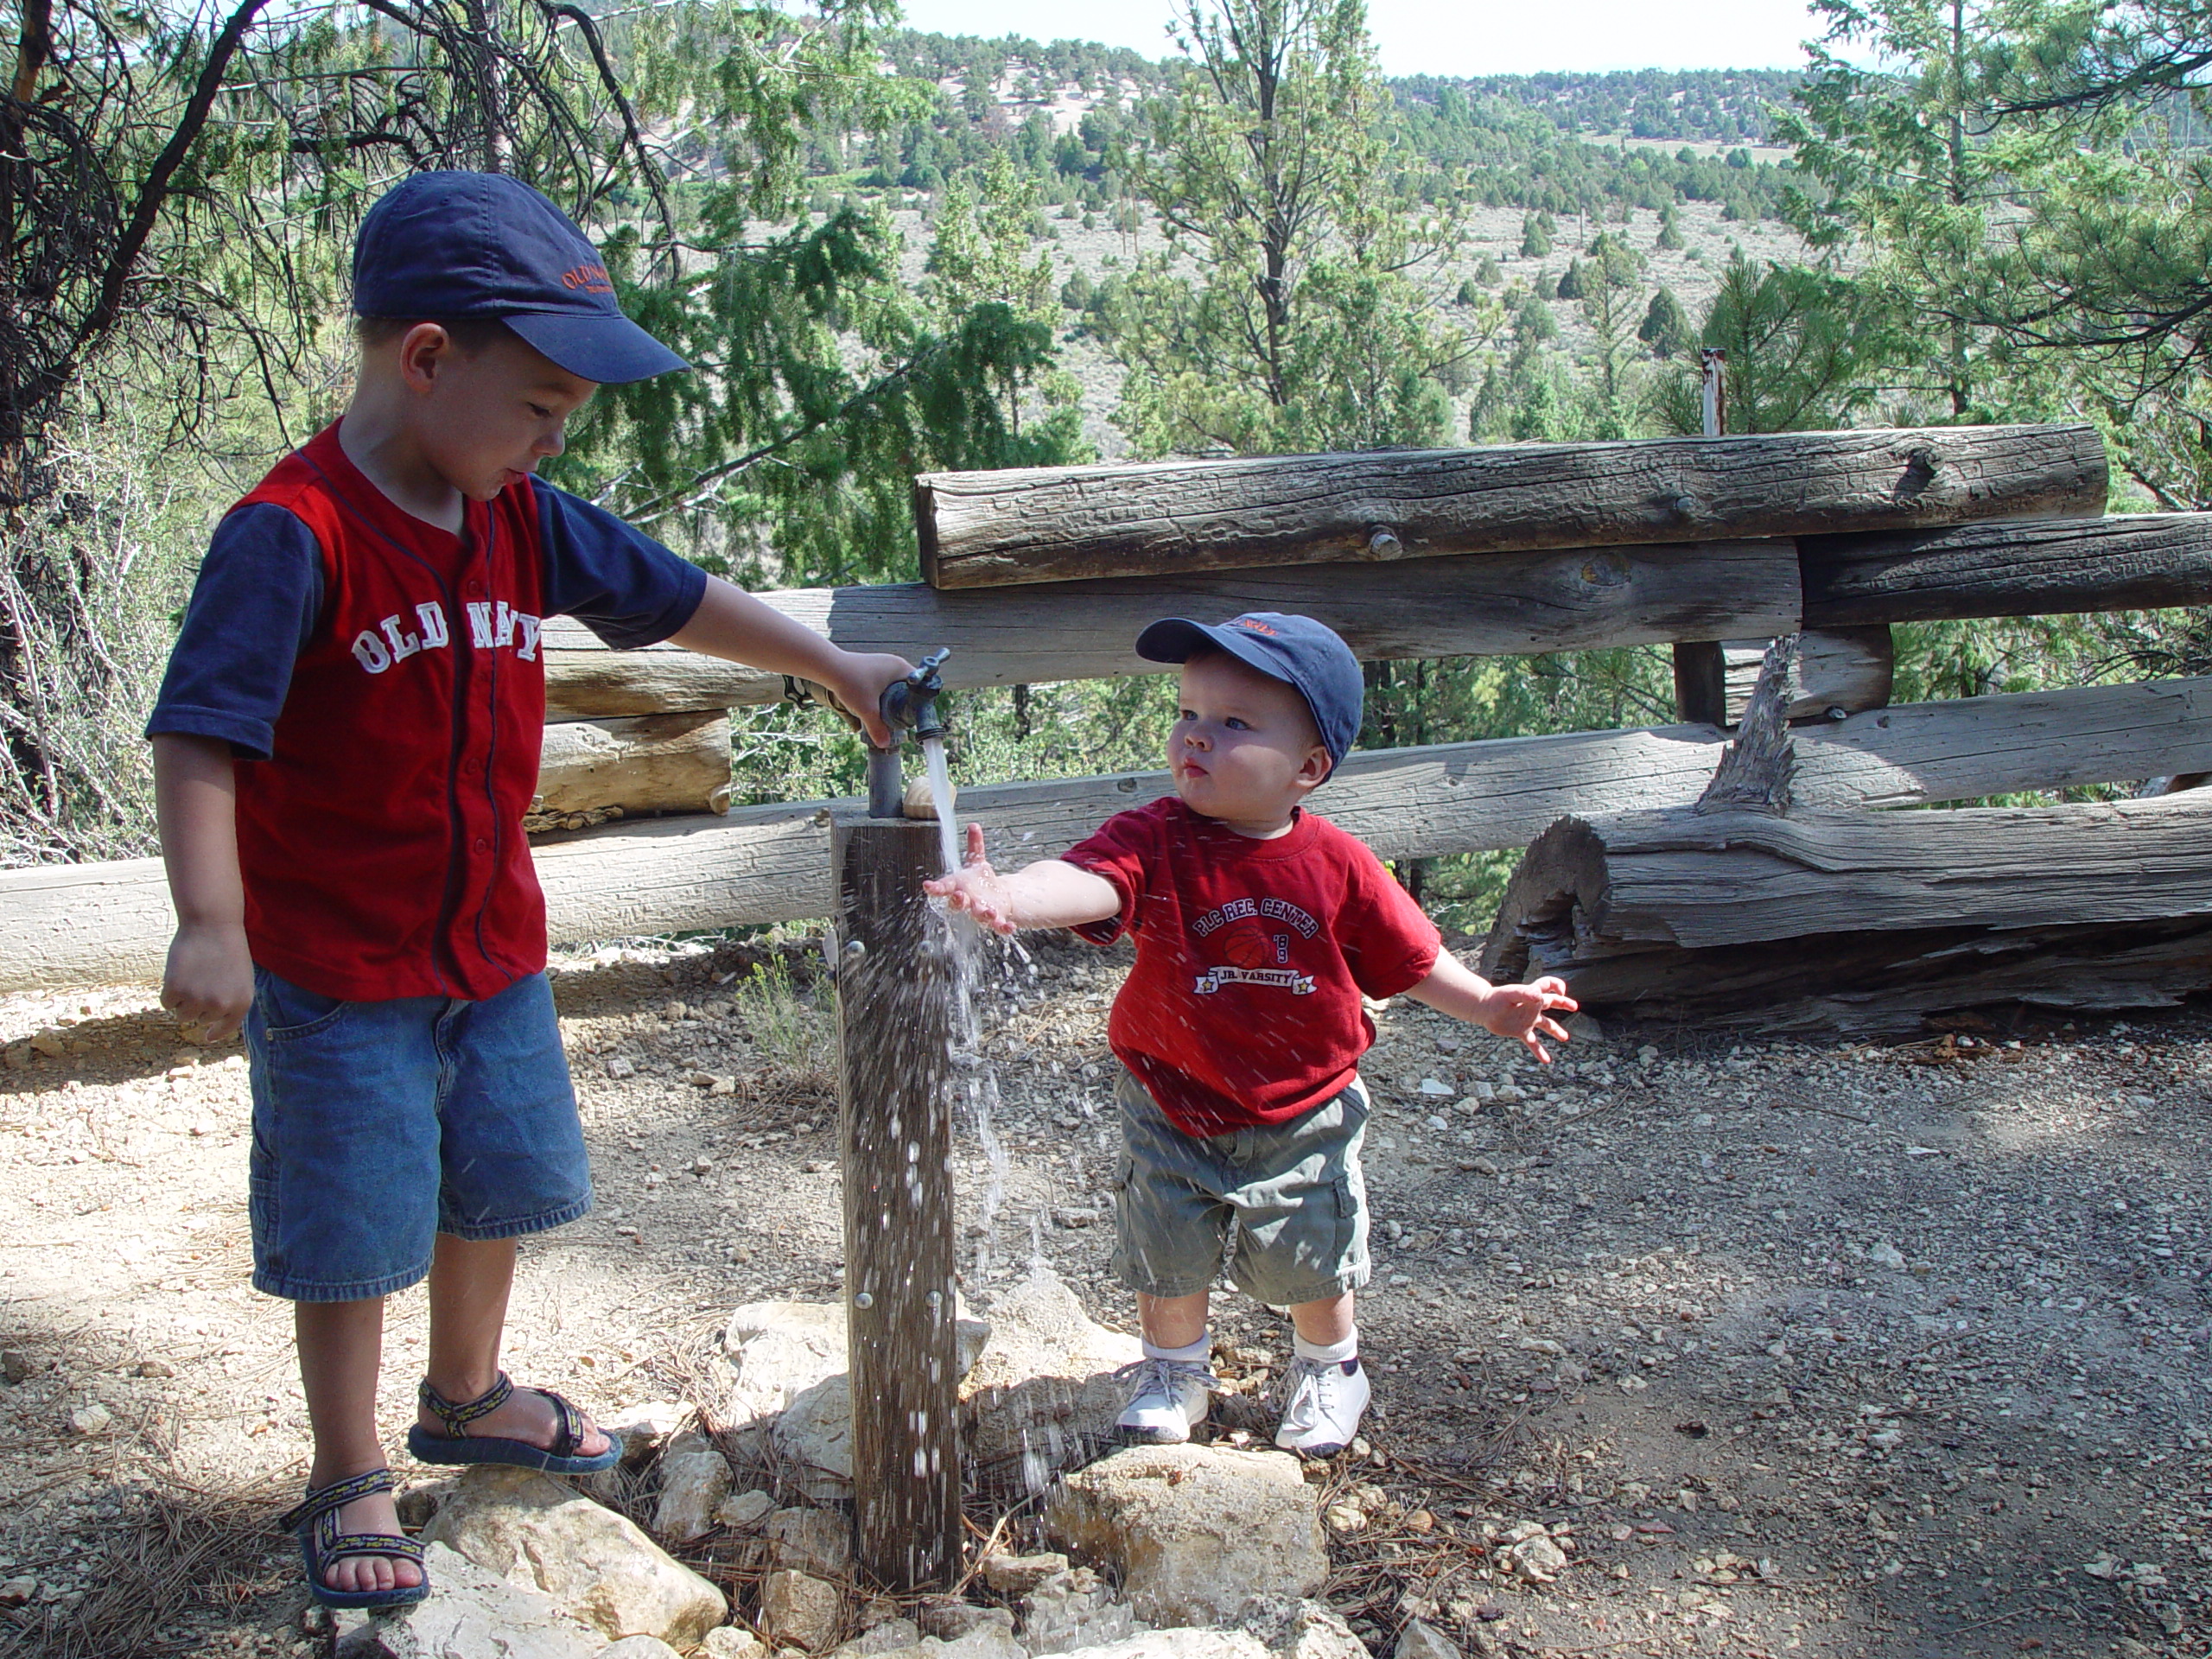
pixel 610 350
pixel 1174 639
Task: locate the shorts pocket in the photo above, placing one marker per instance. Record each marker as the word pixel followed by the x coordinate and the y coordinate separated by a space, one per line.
pixel 289 1011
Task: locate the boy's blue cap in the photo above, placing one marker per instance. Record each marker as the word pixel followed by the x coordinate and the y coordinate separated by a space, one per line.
pixel 481 245
pixel 1296 650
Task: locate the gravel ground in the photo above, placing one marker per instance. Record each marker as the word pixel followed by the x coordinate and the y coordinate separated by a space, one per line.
pixel 1688 1344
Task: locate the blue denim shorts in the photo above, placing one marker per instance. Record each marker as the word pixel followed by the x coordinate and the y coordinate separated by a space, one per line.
pixel 1285 1202
pixel 377 1126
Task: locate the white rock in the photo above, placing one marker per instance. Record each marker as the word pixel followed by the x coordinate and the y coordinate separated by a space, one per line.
pixel 1537 1559
pixel 787 1362
pixel 1437 1086
pixel 741 1511
pixel 638 1647
pixel 819 1541
pixel 90 1418
pixel 798 1609
pixel 1421 1640
pixel 1193 1531
pixel 1181 1643
pixel 728 1642
pixel 1072 1611
pixel 1299 1630
pixel 596 1566
pixel 1041 1396
pixel 645 1428
pixel 469 1614
pixel 694 1480
pixel 1017 1575
pixel 893 1635
pixel 813 1440
pixel 1887 1255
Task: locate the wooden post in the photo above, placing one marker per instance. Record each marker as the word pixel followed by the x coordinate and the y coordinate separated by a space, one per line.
pixel 894 1015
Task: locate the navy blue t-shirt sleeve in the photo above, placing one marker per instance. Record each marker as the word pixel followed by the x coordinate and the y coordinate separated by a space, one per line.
pixel 619 582
pixel 253 610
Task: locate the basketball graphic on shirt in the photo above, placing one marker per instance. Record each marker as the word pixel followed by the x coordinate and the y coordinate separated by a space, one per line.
pixel 1248 945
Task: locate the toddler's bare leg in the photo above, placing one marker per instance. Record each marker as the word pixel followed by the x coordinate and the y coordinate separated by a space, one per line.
pixel 1324 1322
pixel 470 1281
pixel 1171 1321
pixel 341 1344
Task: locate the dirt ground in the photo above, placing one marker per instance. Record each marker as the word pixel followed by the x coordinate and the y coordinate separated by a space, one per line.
pixel 1807 1349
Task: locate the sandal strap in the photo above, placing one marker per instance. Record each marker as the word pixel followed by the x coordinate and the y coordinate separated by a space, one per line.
pixel 567 1434
pixel 458 1417
pixel 326 1500
pixel 388 1545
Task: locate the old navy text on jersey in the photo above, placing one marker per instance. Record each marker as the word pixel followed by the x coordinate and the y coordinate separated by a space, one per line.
pixel 492 624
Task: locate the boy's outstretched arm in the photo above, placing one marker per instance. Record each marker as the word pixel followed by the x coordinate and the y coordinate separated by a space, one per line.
pixel 1048 893
pixel 1521 1013
pixel 209 977
pixel 732 624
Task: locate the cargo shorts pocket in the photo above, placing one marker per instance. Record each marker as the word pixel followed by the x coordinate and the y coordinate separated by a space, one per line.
pixel 289 1011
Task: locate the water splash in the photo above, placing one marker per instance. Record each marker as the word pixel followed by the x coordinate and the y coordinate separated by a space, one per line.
pixel 948 826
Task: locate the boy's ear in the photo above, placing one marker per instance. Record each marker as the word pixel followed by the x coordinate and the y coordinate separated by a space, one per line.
pixel 1314 770
pixel 422 351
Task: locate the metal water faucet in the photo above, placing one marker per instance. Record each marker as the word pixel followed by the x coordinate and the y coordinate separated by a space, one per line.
pixel 906 705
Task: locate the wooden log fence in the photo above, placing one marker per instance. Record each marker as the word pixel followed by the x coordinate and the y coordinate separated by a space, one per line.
pixel 1058 524
pixel 85 924
pixel 1534 548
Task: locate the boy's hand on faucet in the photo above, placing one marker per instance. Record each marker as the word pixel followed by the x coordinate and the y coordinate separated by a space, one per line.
pixel 1522 1013
pixel 857 680
pixel 976 888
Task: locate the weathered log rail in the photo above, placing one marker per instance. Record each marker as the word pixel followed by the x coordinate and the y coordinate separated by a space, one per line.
pixel 1459 553
pixel 83 923
pixel 1056 523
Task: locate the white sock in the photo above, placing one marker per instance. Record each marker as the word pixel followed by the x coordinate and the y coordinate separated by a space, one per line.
pixel 1327 1353
pixel 1194 1355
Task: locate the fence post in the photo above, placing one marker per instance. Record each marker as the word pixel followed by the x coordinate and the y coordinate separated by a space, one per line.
pixel 894 1014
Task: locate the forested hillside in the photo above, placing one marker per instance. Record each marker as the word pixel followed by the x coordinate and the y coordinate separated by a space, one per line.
pixel 896 252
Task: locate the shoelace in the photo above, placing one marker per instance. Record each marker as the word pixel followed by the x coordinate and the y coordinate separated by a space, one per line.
pixel 1303 1407
pixel 1160 1376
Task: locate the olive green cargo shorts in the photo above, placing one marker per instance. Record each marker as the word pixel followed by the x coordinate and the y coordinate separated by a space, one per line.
pixel 1287 1203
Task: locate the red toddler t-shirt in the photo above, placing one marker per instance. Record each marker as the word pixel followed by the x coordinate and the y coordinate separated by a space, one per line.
pixel 1243 1007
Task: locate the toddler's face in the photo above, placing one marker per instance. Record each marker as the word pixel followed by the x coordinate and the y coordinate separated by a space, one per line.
pixel 488 417
pixel 1244 748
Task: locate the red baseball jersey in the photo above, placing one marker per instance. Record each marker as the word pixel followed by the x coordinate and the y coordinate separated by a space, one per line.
pixel 380 680
pixel 1252 955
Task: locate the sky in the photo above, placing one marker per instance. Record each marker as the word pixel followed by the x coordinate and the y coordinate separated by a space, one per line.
pixel 1453 37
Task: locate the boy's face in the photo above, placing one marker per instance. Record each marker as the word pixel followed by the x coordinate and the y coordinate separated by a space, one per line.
pixel 485 418
pixel 1244 748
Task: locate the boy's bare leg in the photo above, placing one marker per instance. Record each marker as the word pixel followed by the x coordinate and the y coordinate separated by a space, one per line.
pixel 1171 1321
pixel 470 1281
pixel 1325 1323
pixel 340 1345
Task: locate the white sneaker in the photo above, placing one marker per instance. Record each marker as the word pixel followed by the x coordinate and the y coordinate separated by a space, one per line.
pixel 1325 1401
pixel 1167 1400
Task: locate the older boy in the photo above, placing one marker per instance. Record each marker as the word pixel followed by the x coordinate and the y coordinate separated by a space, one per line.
pixel 1259 927
pixel 344 748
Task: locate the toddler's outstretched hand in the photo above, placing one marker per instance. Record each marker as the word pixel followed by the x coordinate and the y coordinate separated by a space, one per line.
pixel 1523 1013
pixel 976 888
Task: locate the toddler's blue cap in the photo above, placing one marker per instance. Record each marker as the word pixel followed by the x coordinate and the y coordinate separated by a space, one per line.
pixel 482 244
pixel 1296 650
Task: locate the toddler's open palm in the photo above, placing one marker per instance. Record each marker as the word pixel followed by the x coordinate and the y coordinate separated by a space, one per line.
pixel 1523 1013
pixel 976 888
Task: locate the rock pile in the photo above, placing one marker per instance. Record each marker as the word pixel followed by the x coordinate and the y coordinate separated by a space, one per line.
pixel 1170 1551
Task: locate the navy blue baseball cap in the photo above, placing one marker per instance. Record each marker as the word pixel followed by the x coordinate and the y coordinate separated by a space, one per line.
pixel 1295 649
pixel 482 244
